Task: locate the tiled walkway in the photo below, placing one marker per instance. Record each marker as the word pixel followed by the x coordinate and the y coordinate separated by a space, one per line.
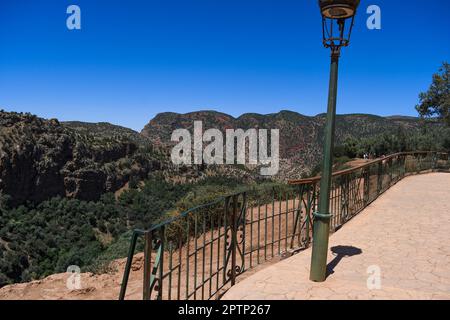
pixel 405 235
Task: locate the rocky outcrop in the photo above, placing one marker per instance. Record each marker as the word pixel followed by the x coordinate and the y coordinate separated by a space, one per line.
pixel 301 137
pixel 40 159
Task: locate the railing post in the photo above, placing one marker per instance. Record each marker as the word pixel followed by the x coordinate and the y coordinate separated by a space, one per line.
pixel 448 160
pixel 434 160
pixel 233 241
pixel 298 216
pixel 345 198
pixel 126 273
pixel 379 177
pixel 405 159
pixel 366 186
pixel 390 162
pixel 242 222
pixel 405 165
pixel 419 166
pixel 226 247
pixel 161 262
pixel 310 208
pixel 147 265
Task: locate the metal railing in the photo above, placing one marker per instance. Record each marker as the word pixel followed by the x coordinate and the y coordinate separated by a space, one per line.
pixel 200 253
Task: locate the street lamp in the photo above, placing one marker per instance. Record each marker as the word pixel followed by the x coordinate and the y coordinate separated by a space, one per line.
pixel 337 24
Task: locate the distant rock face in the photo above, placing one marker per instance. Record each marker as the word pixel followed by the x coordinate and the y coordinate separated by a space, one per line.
pixel 40 159
pixel 301 137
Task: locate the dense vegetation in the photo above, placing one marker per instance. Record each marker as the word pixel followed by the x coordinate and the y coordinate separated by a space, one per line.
pixel 70 193
pixel 39 240
pixel 428 138
pixel 41 159
pixel 436 101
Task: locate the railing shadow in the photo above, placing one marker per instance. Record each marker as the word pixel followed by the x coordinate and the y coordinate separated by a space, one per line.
pixel 341 252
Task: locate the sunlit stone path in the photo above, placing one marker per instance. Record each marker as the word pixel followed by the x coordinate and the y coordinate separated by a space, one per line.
pixel 405 234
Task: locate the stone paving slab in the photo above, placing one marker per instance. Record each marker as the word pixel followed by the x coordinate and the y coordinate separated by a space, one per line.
pixel 405 235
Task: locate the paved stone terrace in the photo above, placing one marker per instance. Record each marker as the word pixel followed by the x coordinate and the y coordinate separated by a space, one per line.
pixel 406 233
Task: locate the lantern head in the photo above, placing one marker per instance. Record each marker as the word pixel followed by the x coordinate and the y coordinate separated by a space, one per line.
pixel 337 22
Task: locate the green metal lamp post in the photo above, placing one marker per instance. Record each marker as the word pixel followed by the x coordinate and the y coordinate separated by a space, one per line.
pixel 337 24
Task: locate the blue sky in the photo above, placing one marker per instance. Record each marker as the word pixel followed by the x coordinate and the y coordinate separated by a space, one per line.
pixel 133 59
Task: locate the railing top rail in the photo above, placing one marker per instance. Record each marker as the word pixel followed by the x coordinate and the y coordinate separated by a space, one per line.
pixel 363 166
pixel 292 182
pixel 234 223
pixel 217 200
pixel 185 213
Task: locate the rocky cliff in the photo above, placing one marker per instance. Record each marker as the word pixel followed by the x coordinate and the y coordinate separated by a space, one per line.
pixel 301 137
pixel 40 159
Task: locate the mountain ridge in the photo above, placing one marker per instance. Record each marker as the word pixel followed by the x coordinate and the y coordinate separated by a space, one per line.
pixel 298 155
pixel 84 160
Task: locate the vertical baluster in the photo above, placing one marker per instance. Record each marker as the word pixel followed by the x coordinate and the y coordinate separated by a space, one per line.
pixel 126 273
pixel 211 252
pixel 297 217
pixel 265 234
pixel 233 240
pixel 203 255
pixel 391 169
pixel 259 229
pixel 379 177
pixel 170 270
pixel 195 253
pixel 147 264
pixel 367 190
pixel 219 236
pixel 298 222
pixel 279 223
pixel 333 204
pixel 243 223
pixel 187 255
pixel 273 221
pixel 294 213
pixel 161 263
pixel 286 222
pixel 226 240
pixel 180 254
pixel 307 212
pixel 251 236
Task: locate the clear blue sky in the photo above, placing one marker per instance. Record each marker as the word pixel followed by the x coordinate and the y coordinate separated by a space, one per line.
pixel 133 59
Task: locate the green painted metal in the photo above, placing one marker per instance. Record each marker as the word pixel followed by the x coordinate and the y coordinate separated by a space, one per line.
pixel 126 274
pixel 146 288
pixel 201 252
pixel 322 218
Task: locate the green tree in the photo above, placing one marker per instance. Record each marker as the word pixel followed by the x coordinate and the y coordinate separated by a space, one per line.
pixel 436 101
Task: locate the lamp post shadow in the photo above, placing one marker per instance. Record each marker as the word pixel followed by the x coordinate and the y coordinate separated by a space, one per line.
pixel 341 252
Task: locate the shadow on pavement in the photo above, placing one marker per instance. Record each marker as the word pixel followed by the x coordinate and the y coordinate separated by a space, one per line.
pixel 341 252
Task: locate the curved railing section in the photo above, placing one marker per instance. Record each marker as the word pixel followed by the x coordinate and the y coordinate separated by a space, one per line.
pixel 200 253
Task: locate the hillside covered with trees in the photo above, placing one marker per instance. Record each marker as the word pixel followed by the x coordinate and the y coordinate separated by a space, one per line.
pixel 71 192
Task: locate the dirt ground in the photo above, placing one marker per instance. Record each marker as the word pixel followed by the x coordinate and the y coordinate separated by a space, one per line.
pixel 272 235
pixel 198 270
